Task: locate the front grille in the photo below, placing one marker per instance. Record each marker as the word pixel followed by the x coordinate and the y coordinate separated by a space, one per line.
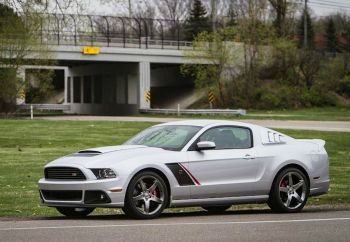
pixel 64 173
pixel 62 195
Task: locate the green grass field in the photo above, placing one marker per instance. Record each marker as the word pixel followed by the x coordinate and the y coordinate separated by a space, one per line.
pixel 26 146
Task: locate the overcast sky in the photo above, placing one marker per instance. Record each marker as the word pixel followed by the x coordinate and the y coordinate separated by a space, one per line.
pixel 326 7
pixel 319 7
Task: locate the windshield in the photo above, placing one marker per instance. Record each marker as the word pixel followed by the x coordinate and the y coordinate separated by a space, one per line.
pixel 169 137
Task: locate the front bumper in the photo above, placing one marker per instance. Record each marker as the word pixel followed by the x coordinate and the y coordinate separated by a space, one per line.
pixel 112 188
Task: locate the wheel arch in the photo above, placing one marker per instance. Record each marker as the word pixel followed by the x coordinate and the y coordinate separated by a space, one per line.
pixel 291 165
pixel 161 174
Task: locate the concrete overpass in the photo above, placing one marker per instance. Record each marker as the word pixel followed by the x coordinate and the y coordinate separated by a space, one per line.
pixel 133 57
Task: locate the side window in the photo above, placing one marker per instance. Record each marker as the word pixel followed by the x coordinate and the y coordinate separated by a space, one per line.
pixel 229 137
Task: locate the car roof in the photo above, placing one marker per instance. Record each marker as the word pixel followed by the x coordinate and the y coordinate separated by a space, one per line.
pixel 208 122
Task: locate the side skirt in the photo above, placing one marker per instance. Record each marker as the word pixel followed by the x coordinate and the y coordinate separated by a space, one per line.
pixel 219 201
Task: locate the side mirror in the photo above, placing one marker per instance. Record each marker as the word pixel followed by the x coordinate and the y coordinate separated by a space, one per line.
pixel 206 145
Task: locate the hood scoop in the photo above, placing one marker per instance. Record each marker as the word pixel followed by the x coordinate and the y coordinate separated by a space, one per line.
pixel 103 150
pixel 89 152
pixel 86 153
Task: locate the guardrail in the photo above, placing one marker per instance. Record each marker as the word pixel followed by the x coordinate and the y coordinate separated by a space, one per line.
pixel 60 107
pixel 51 107
pixel 108 31
pixel 195 111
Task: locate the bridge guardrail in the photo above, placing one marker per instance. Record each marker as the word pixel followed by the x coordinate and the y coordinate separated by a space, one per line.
pixel 108 31
pixel 60 107
pixel 51 107
pixel 195 111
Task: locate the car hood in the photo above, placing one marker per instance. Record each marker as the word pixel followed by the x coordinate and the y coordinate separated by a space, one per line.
pixel 108 156
pixel 107 149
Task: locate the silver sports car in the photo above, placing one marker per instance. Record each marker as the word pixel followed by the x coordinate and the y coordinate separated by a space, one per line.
pixel 207 163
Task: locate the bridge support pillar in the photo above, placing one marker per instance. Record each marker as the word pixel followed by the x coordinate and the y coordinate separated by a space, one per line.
pixel 66 87
pixel 144 84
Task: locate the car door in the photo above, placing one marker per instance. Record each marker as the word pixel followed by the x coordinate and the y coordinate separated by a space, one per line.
pixel 230 169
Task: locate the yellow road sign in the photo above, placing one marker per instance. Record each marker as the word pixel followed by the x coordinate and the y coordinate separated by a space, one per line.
pixel 91 50
pixel 148 96
pixel 211 97
pixel 21 95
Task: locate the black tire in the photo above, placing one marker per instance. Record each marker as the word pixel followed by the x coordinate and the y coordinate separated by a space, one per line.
pixel 146 189
pixel 75 212
pixel 217 208
pixel 285 198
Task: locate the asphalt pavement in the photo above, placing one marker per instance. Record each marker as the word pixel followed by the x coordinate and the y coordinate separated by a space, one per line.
pixel 337 126
pixel 247 225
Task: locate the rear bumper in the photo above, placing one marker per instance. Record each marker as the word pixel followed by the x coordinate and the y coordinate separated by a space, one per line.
pixel 112 188
pixel 320 188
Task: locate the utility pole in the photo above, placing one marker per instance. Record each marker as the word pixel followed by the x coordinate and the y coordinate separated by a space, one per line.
pixel 213 14
pixel 130 9
pixel 305 25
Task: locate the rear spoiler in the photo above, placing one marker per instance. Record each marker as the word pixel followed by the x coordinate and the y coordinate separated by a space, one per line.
pixel 319 142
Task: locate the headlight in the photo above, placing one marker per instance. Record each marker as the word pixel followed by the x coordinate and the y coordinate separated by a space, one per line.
pixel 104 173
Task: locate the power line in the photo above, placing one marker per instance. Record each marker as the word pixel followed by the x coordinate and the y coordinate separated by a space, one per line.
pixel 325 5
pixel 332 2
pixel 329 5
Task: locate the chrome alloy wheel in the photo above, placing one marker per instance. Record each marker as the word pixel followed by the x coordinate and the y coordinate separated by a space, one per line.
pixel 292 190
pixel 148 195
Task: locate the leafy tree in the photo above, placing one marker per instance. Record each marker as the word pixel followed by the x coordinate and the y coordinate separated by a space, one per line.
pixel 8 89
pixel 12 39
pixel 310 31
pixel 232 15
pixel 233 57
pixel 217 58
pixel 284 62
pixel 309 65
pixel 198 20
pixel 331 35
pixel 18 41
pixel 280 8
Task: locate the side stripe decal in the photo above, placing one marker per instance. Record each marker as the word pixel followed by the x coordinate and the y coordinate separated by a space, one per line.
pixel 182 175
pixel 190 174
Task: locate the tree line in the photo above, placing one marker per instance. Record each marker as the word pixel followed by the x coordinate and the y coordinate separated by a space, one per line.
pixel 262 59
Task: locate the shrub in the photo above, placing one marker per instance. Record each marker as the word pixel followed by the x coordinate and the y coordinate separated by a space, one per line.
pixel 273 95
pixel 344 86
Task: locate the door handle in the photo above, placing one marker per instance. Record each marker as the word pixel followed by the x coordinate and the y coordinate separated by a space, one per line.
pixel 248 157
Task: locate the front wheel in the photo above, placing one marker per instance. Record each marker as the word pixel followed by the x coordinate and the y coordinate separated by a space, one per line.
pixel 289 191
pixel 146 196
pixel 75 212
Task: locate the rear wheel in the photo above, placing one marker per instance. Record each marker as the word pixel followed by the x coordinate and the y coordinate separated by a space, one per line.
pixel 289 191
pixel 75 212
pixel 146 197
pixel 216 209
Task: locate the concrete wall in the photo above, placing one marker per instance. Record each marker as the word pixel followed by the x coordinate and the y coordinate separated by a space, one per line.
pixel 168 76
pixel 105 89
pixel 169 87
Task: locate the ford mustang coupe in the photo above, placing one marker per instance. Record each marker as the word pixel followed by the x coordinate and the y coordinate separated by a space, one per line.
pixel 207 163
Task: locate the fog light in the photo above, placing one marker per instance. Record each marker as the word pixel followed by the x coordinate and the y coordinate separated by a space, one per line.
pixel 96 197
